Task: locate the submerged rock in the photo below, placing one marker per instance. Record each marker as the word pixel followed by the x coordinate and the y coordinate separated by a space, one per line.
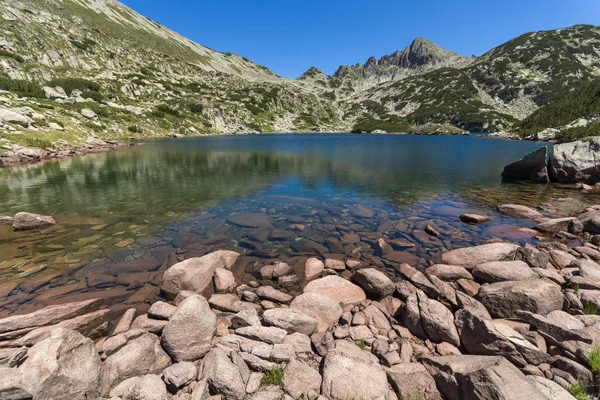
pixel 24 221
pixel 531 167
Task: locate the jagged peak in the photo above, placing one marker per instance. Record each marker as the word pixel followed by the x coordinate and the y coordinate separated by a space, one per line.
pixel 311 73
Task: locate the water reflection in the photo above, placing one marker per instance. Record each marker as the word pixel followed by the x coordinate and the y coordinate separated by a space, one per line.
pixel 137 205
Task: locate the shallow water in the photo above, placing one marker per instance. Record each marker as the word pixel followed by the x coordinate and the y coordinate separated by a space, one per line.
pixel 127 215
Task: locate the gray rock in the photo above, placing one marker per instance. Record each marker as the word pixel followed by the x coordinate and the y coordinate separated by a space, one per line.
pixel 301 381
pixel 499 271
pixel 147 387
pixel 88 114
pixel 245 317
pixel 483 337
pixel 54 93
pixel 504 299
pixel 48 315
pixel 223 376
pixel 470 377
pixel 12 386
pixel 346 377
pixel 375 283
pixel 188 334
pixel 15 118
pixel 468 256
pixel 271 335
pixel 149 324
pixel 553 226
pixel 411 380
pixel 448 272
pixel 195 274
pixel 313 268
pixel 161 310
pixel 550 389
pixel 272 294
pixel 291 320
pixel 125 322
pixel 336 288
pixel 590 221
pixel 24 221
pixel 229 303
pixel 141 356
pixel 531 167
pixel 575 162
pixel 65 365
pixel 431 319
pixel 519 211
pixel 560 326
pixel 324 309
pixel 178 375
pixel 224 280
pixel 12 357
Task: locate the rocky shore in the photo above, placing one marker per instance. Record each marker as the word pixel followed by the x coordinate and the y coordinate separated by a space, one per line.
pixel 17 155
pixel 496 320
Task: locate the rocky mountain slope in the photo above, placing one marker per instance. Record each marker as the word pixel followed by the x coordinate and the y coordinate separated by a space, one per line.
pixel 74 71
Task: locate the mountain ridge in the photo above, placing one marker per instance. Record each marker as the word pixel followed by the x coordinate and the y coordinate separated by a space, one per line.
pixel 140 79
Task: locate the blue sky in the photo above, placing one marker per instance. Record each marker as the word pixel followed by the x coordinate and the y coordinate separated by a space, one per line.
pixel 289 36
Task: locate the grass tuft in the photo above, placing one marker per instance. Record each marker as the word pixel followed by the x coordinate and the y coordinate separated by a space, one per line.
pixel 273 377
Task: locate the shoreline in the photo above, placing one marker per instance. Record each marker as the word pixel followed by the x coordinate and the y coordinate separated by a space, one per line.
pixel 32 156
pixel 519 313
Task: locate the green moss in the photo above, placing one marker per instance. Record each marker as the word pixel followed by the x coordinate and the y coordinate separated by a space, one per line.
pixel 9 54
pixel 579 391
pixel 70 84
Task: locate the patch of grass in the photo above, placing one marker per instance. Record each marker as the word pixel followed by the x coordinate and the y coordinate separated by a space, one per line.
pixel 22 88
pixel 595 359
pixel 590 308
pixel 273 377
pixel 70 84
pixel 576 288
pixel 9 54
pixel 579 391
pixel 134 129
pixel 362 344
pixel 37 143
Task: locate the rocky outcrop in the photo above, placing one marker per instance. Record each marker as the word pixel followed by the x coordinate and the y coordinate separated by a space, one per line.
pixel 532 167
pixel 575 162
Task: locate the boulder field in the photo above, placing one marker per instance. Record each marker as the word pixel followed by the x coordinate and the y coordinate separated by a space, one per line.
pixel 494 321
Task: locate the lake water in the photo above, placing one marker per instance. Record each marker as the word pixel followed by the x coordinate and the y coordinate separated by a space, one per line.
pixel 125 216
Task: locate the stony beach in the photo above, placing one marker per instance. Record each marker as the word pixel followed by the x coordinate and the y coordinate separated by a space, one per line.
pixel 498 320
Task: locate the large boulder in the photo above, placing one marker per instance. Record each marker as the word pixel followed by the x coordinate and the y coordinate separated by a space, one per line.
pixel 469 377
pixel 484 337
pixel 14 117
pixel 375 283
pixel 532 167
pixel 188 334
pixel 139 357
pixel 147 387
pixel 468 256
pixel 65 365
pixel 291 320
pixel 301 381
pixel 504 299
pixel 323 308
pixel 498 271
pixel 223 376
pixel 412 381
pixel 195 274
pixel 590 221
pixel 24 221
pixel 338 289
pixel 430 318
pixel 347 377
pixel 575 162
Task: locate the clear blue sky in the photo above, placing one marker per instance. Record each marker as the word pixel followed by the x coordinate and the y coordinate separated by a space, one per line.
pixel 289 36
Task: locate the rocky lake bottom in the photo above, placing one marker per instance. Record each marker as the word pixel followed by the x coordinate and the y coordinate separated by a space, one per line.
pixel 297 266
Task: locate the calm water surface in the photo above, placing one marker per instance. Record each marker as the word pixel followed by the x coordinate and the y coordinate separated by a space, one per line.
pixel 125 216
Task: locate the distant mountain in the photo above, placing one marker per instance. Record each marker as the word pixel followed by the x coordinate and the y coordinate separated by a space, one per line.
pixel 421 56
pixel 138 78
